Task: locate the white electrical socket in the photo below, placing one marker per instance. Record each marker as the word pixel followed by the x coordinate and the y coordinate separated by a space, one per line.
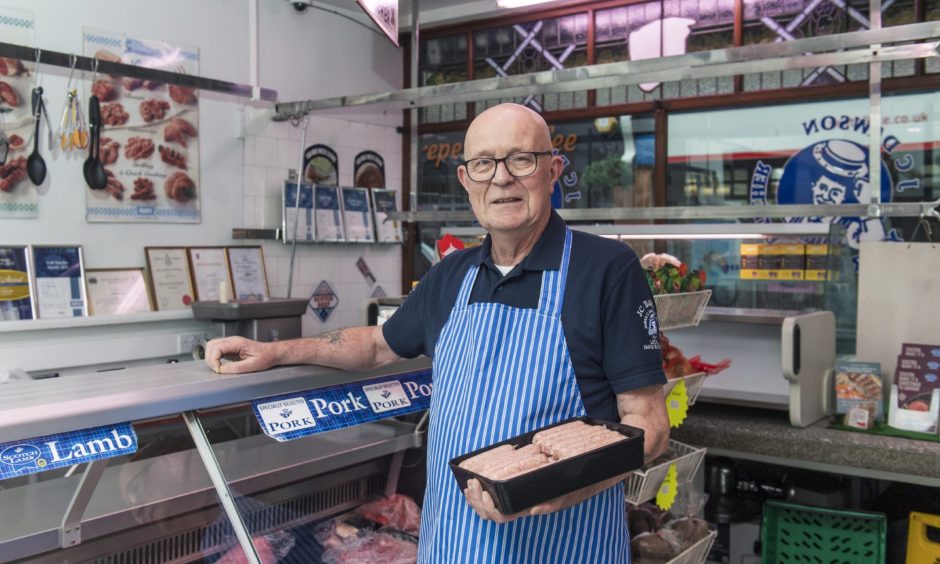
pixel 186 342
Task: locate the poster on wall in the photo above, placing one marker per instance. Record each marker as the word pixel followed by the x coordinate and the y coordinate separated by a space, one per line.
pixel 369 171
pixel 149 142
pixel 16 293
pixel 18 196
pixel 321 165
pixel 59 281
pixel 298 219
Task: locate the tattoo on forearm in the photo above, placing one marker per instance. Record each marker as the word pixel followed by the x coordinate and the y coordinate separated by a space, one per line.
pixel 333 337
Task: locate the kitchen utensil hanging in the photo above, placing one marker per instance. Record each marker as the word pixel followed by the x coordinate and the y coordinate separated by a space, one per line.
pixel 35 165
pixel 72 134
pixel 92 169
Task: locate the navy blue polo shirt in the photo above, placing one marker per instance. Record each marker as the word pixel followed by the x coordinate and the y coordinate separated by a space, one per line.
pixel 608 314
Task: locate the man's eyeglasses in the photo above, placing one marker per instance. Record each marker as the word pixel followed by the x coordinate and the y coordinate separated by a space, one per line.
pixel 518 165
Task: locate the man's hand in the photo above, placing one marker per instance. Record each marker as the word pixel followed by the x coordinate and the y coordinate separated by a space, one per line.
pixel 653 261
pixel 252 356
pixel 482 502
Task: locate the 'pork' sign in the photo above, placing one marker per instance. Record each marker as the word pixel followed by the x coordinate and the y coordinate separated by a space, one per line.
pixel 291 416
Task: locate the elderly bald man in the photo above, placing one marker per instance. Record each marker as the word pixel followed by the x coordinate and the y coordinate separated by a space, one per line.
pixel 536 325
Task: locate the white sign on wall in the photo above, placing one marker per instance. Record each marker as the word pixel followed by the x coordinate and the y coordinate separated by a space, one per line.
pixel 385 15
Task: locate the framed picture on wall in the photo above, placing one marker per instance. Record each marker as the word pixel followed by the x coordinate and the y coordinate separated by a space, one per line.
pixel 170 277
pixel 117 291
pixel 329 214
pixel 383 202
pixel 16 290
pixel 357 215
pixel 59 281
pixel 210 271
pixel 249 276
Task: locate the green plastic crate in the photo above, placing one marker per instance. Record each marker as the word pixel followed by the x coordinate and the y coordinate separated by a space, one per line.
pixel 797 533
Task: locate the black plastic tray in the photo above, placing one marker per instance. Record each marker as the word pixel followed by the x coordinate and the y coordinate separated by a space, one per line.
pixel 560 478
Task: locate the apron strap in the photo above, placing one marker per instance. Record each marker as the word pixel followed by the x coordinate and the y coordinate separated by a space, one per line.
pixel 554 281
pixel 466 287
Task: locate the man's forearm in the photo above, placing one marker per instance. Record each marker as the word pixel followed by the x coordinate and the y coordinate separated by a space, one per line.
pixel 354 348
pixel 655 434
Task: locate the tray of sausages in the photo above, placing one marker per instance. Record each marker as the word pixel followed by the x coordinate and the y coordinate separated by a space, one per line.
pixel 541 465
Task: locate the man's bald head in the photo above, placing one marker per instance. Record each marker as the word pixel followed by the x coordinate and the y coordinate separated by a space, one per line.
pixel 523 128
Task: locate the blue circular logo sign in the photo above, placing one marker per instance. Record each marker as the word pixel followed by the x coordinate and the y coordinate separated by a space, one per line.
pixel 835 171
pixel 20 455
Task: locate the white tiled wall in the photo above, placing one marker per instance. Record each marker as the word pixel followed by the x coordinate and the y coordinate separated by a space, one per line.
pixel 273 148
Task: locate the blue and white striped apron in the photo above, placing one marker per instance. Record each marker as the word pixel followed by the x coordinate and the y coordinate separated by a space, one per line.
pixel 501 371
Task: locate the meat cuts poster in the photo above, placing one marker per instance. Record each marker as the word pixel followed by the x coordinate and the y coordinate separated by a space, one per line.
pixel 150 139
pixel 18 197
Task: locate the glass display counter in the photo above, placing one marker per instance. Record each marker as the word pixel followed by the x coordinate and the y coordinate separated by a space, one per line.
pixel 147 492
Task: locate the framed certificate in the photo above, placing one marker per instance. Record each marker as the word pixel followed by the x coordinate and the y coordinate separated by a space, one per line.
pixel 117 291
pixel 16 285
pixel 210 270
pixel 249 277
pixel 59 281
pixel 170 277
pixel 383 202
pixel 302 214
pixel 329 214
pixel 357 215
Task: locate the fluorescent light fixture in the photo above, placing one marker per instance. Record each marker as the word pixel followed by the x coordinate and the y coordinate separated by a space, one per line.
pixel 518 3
pixel 628 237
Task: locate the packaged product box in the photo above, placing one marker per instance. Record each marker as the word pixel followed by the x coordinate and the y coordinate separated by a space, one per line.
pixel 769 261
pixel 859 384
pixel 910 350
pixel 817 257
pixel 749 258
pixel 792 261
pixel 915 388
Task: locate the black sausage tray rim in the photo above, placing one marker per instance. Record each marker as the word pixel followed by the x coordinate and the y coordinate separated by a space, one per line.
pixel 558 478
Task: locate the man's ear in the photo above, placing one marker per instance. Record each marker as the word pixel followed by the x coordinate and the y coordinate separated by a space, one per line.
pixel 462 177
pixel 558 166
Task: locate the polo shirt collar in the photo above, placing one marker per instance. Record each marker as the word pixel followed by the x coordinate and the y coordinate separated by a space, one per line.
pixel 545 255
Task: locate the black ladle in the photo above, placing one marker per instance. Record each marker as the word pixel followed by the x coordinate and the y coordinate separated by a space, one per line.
pixel 35 165
pixel 93 170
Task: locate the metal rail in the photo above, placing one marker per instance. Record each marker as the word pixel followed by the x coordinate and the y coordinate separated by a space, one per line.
pixel 91 64
pixel 899 209
pixel 855 47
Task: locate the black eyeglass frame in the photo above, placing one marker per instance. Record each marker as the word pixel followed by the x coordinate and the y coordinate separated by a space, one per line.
pixel 503 160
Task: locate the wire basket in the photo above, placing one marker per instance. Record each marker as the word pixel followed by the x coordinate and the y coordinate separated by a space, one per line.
pixel 681 310
pixel 698 552
pixel 693 385
pixel 798 533
pixel 642 485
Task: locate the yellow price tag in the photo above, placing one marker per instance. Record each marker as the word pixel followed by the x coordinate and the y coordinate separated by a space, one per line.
pixel 677 404
pixel 668 489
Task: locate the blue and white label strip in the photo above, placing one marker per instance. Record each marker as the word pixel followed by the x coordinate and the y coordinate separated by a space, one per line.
pixel 40 454
pixel 291 416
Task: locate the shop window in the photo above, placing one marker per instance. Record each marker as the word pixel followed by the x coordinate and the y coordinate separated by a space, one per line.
pixel 443 60
pixel 649 29
pixel 535 46
pixel 783 20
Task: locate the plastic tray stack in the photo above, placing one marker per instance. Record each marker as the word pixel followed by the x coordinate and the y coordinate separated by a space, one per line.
pixel 698 552
pixel 693 384
pixel 681 310
pixel 642 485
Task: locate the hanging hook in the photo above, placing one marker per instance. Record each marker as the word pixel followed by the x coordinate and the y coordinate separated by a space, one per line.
pixel 72 60
pixel 36 68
